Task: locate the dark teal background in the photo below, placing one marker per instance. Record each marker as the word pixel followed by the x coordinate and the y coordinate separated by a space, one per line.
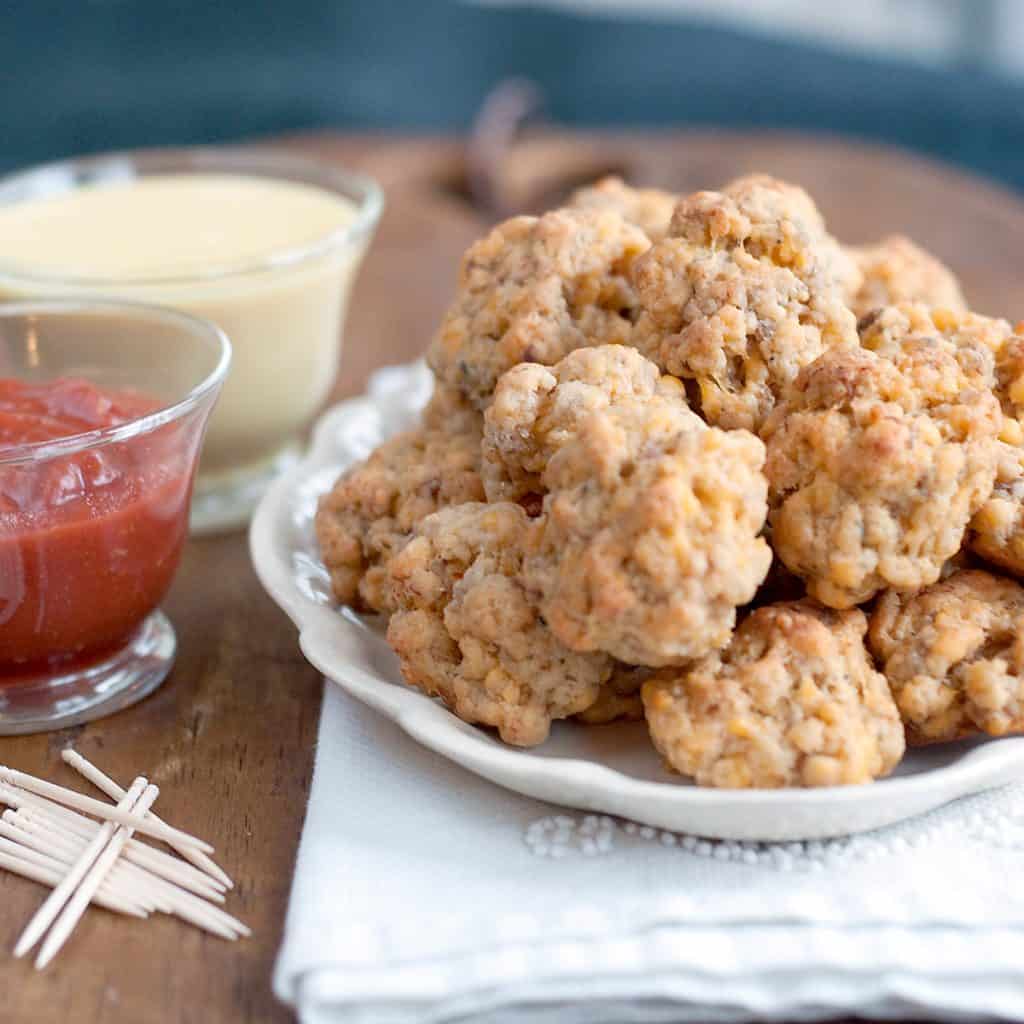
pixel 86 75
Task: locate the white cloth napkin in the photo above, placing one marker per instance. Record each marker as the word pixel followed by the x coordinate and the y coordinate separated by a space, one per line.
pixel 424 894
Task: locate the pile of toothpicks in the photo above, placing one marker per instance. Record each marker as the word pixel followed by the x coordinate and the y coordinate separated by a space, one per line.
pixel 48 835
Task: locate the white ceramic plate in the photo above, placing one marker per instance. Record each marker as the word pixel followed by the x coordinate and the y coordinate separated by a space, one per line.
pixel 612 769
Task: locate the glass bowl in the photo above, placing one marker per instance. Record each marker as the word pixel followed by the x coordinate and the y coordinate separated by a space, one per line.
pixel 103 409
pixel 283 312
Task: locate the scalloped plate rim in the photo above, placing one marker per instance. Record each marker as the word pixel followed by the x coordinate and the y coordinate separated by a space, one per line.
pixel 587 785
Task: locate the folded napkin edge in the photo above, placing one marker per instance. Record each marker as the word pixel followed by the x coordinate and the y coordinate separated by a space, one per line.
pixel 895 952
pixel 767 995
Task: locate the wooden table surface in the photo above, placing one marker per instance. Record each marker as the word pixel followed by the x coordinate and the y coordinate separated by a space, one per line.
pixel 230 737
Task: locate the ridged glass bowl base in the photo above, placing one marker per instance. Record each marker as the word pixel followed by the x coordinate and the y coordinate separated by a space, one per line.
pixel 56 699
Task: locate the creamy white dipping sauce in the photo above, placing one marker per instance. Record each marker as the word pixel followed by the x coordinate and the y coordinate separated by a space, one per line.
pixel 250 253
pixel 166 225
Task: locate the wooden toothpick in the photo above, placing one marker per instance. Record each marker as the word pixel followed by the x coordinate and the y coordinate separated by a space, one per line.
pixel 55 902
pixel 49 876
pixel 108 786
pixel 32 838
pixel 93 879
pixel 153 861
pixel 49 834
pixel 98 809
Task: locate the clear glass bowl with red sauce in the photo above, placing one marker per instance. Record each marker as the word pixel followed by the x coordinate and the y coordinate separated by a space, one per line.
pixel 103 408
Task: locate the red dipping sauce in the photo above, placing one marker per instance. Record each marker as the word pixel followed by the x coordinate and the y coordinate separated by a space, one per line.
pixel 89 541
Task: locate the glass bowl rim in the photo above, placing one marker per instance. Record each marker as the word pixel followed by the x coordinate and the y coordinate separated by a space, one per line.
pixel 248 161
pixel 207 388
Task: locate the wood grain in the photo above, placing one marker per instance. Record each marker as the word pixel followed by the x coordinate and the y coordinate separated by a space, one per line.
pixel 230 737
